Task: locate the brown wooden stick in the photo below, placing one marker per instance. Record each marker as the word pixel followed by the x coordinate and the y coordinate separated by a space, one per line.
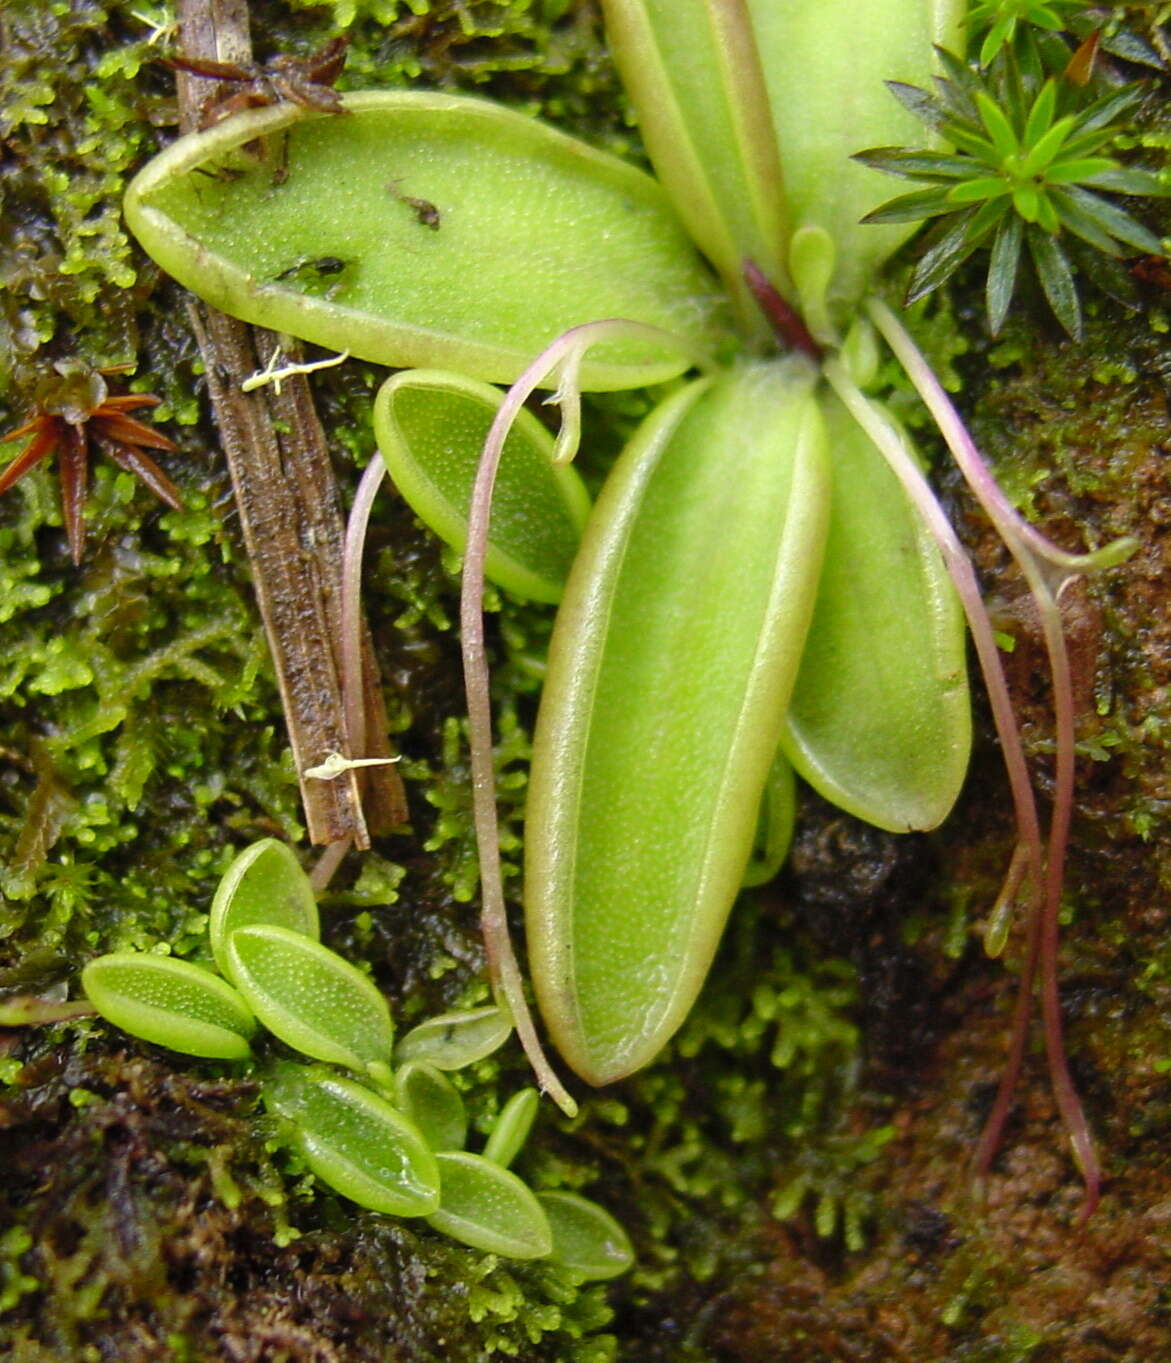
pixel 291 518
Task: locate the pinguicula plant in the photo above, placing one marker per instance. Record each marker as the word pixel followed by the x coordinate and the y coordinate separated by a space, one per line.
pixel 766 581
pixel 390 1139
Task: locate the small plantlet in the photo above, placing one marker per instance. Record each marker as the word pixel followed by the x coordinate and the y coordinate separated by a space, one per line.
pixel 392 1142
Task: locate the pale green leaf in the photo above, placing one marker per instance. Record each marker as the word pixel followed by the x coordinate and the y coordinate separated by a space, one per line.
pixel 170 1002
pixel 265 884
pixel 311 998
pixel 880 717
pixel 692 71
pixel 826 72
pixel 433 1103
pixel 587 1240
pixel 774 830
pixel 451 1041
pixel 489 1208
pixel 670 671
pixel 355 1141
pixel 512 1127
pixel 525 233
pixel 431 427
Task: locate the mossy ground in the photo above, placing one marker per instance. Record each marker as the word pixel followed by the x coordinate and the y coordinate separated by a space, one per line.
pixel 793 1171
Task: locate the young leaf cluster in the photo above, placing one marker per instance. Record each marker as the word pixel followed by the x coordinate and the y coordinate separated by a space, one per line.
pixel 1004 20
pixel 391 1141
pixel 1026 170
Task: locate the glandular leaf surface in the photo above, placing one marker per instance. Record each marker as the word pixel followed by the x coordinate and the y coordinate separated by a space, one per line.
pixel 844 106
pixel 429 1098
pixel 426 229
pixel 431 426
pixel 670 670
pixel 488 1207
pixel 693 75
pixel 880 720
pixel 265 884
pixel 449 1041
pixel 170 1002
pixel 586 1238
pixel 355 1141
pixel 311 998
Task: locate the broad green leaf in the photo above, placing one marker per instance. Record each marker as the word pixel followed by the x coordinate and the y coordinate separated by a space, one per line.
pixel 880 721
pixel 265 884
pixel 512 1127
pixel 774 829
pixel 586 1238
pixel 426 229
pixel 693 74
pixel 432 1102
pixel 355 1141
pixel 826 69
pixel 311 998
pixel 431 427
pixel 452 1040
pixel 170 1002
pixel 670 669
pixel 489 1208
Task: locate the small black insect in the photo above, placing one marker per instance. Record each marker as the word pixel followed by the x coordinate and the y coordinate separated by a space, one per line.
pixel 424 210
pixel 323 266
